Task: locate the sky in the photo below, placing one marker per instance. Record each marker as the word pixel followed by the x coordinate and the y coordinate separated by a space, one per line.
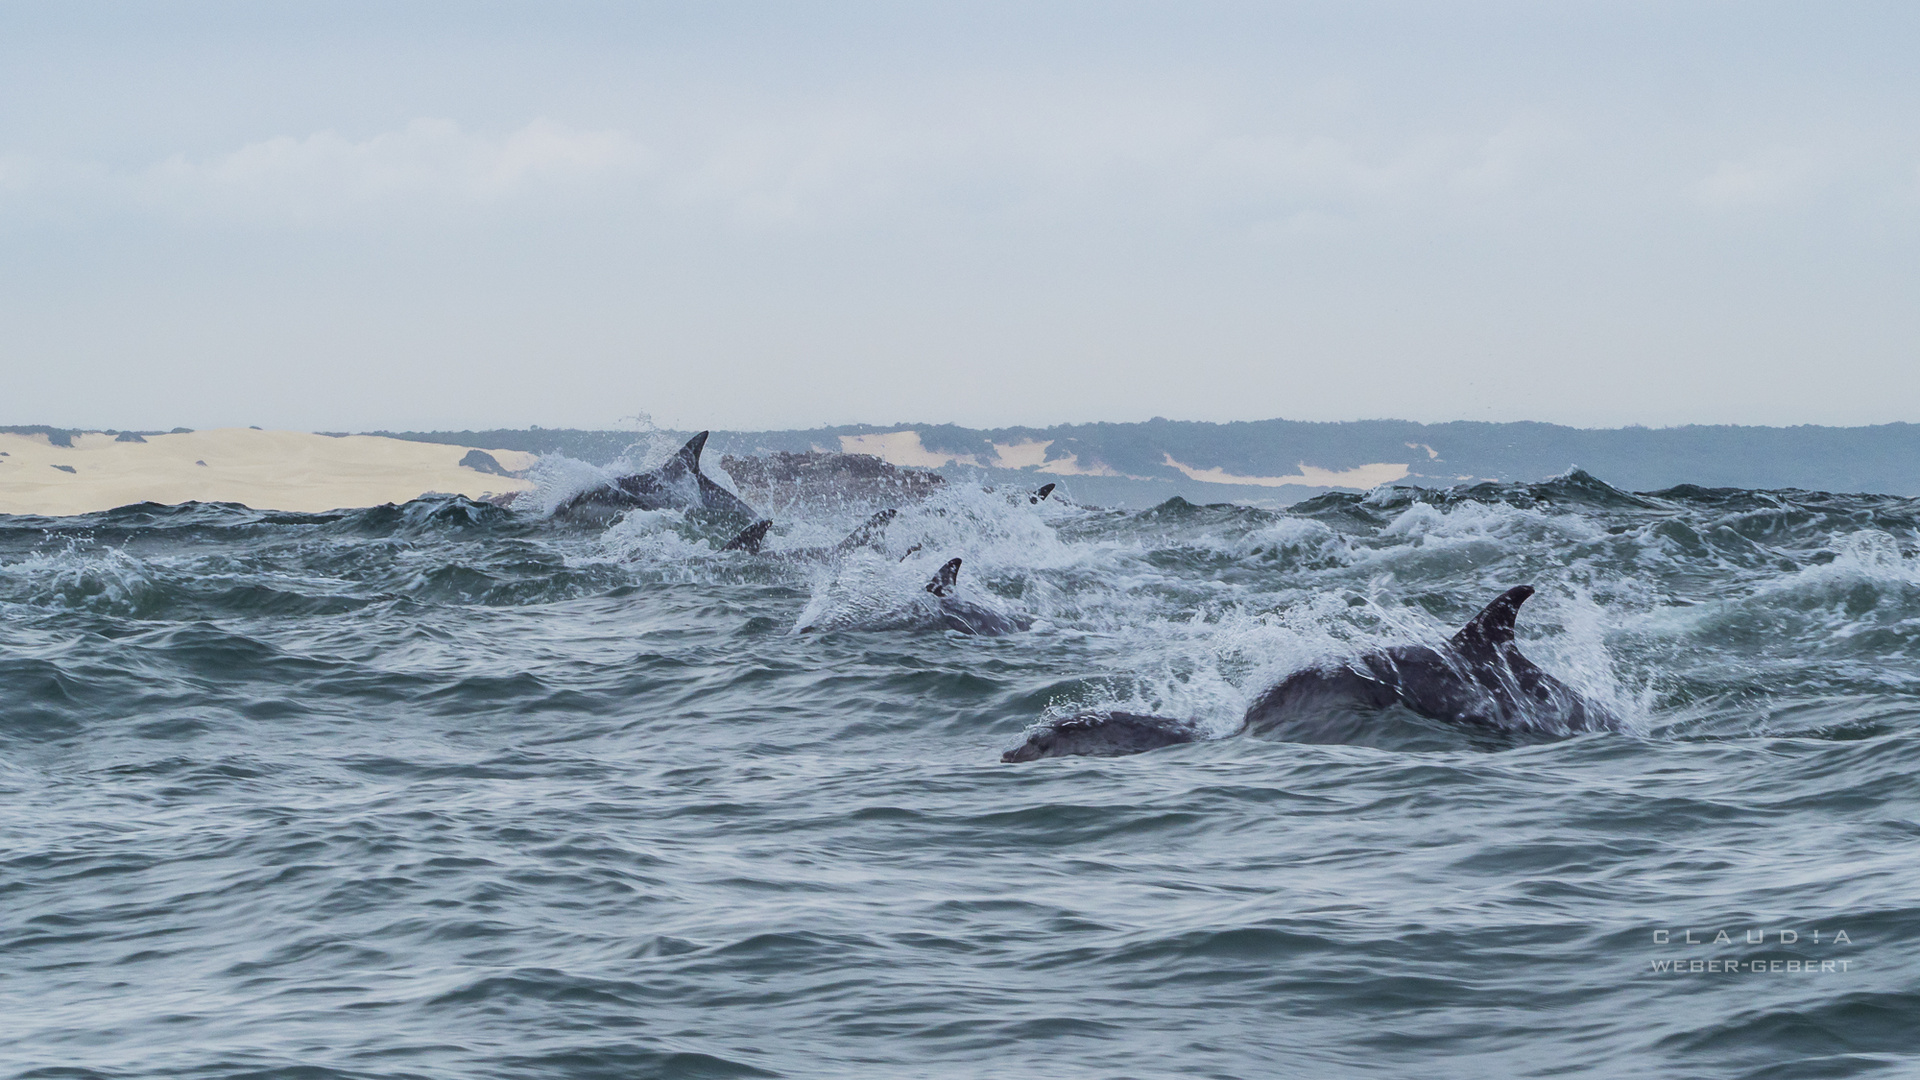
pixel 354 216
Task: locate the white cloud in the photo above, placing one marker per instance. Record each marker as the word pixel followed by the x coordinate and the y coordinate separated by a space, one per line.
pixel 1519 152
pixel 801 170
pixel 1049 153
pixel 325 175
pixel 1738 185
pixel 1054 154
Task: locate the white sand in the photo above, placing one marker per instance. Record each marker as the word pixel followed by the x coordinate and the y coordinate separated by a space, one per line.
pixel 1031 454
pixel 1362 477
pixel 267 470
pixel 1070 466
pixel 905 449
pixel 901 448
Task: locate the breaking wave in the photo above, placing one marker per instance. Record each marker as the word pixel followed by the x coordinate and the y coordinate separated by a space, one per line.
pixel 446 789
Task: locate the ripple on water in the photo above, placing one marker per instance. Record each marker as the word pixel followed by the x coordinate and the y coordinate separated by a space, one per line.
pixel 437 790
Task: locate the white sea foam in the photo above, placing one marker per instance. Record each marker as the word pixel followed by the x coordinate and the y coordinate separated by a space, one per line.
pixel 557 479
pixel 1209 611
pixel 82 576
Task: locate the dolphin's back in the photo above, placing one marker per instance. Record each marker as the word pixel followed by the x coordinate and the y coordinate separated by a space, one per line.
pixel 677 484
pixel 967 616
pixel 1478 677
pixel 1317 706
pixel 1477 680
pixel 1102 734
pixel 978 619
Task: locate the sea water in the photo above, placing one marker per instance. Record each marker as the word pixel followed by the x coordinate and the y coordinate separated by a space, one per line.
pixel 441 790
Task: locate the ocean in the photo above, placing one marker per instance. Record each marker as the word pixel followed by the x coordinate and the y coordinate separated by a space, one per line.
pixel 443 790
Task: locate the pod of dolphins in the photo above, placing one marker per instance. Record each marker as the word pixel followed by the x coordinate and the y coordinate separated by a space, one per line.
pixel 1477 679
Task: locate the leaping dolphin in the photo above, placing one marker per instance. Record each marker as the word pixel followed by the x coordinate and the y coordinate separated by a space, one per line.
pixel 753 540
pixel 939 608
pixel 678 484
pixel 967 616
pixel 1478 678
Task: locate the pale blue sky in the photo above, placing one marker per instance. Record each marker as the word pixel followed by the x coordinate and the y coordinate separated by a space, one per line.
pixel 780 215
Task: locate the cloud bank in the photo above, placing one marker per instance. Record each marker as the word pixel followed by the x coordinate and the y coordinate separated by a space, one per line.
pixel 450 216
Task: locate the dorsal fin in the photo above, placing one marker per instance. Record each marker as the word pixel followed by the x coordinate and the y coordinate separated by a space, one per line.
pixel 1041 495
pixel 684 462
pixel 750 538
pixel 944 581
pixel 689 454
pixel 1494 625
pixel 869 532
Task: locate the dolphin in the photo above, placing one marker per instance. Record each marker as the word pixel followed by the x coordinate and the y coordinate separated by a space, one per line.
pixel 750 538
pixel 753 539
pixel 944 609
pixel 678 484
pixel 1478 679
pixel 967 616
pixel 1102 734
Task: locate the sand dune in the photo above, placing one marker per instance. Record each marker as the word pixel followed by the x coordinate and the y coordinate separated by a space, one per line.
pixel 268 470
pixel 904 448
pixel 1358 478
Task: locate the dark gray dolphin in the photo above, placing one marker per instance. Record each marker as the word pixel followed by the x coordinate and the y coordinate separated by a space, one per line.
pixel 967 616
pixel 945 610
pixel 1102 734
pixel 678 484
pixel 753 539
pixel 1478 678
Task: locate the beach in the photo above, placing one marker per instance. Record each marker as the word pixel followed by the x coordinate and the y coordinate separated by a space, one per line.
pixel 266 470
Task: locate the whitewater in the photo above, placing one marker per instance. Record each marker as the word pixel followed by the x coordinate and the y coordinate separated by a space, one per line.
pixel 447 790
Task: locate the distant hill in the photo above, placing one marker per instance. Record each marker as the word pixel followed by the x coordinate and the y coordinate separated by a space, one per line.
pixel 1283 461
